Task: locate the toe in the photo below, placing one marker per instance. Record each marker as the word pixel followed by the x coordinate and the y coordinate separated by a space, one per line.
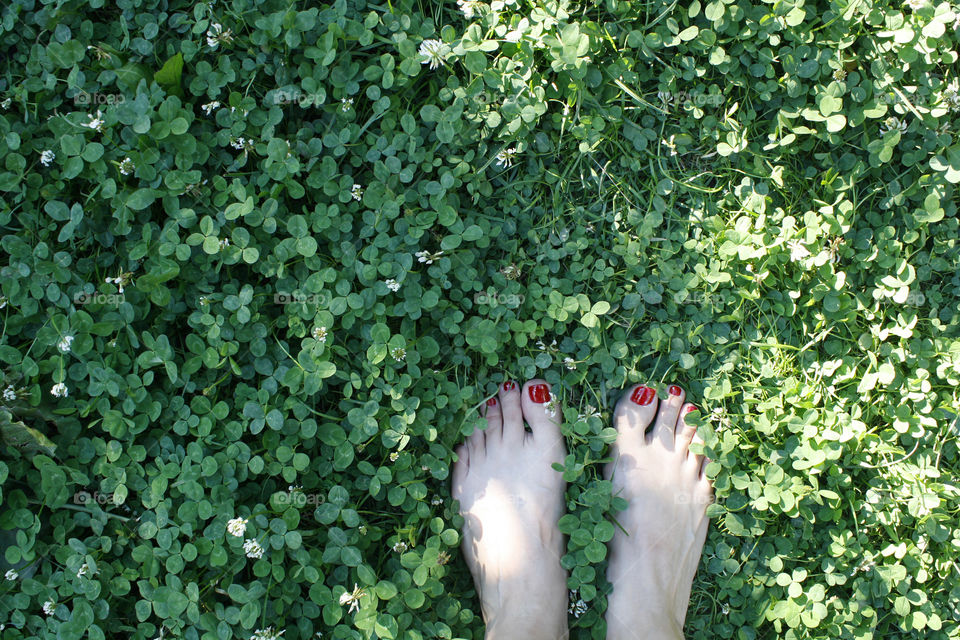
pixel 686 426
pixel 541 410
pixel 476 445
pixel 491 411
pixel 665 427
pixel 633 415
pixel 510 409
pixel 460 471
pixel 695 460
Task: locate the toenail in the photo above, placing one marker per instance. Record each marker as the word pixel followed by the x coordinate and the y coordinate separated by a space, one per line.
pixel 492 402
pixel 691 408
pixel 643 395
pixel 508 386
pixel 675 390
pixel 540 393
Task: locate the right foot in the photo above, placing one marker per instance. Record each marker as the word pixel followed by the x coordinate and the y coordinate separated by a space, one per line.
pixel 511 500
pixel 652 566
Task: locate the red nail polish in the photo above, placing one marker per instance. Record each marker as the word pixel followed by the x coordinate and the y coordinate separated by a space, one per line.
pixel 643 395
pixel 691 408
pixel 509 386
pixel 492 402
pixel 675 390
pixel 540 393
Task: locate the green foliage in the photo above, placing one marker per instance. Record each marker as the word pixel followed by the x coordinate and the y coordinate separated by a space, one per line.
pixel 276 258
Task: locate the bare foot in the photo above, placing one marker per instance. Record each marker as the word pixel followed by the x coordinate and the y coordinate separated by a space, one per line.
pixel 511 499
pixel 652 568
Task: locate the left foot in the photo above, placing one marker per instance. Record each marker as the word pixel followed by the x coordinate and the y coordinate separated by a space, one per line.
pixel 652 566
pixel 511 499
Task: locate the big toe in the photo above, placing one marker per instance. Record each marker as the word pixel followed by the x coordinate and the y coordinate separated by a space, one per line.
pixel 633 415
pixel 541 410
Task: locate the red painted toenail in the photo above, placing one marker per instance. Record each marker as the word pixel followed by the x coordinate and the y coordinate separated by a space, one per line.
pixel 540 393
pixel 509 386
pixel 643 395
pixel 675 390
pixel 691 408
pixel 492 402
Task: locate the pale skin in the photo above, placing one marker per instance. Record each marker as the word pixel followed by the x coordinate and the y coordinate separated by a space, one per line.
pixel 511 499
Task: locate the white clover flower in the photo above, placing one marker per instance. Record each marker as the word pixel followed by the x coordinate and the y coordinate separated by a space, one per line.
pixel 426 257
pixel 505 157
pixel 252 548
pixel 577 606
pixel 245 112
pixel 363 530
pixel 346 104
pixel 11 575
pixel 210 106
pixel 59 390
pixel 64 344
pixel 436 501
pixel 47 157
pixel 217 35
pixel 126 166
pixel 356 192
pixel 6 103
pixel 237 527
pixel 3 301
pixel 242 144
pixel 353 599
pixel 224 243
pixel 569 363
pixel 433 52
pixel 553 405
pixel 400 546
pixel 84 570
pixel 121 280
pixel 392 284
pixel 319 334
pixel 394 456
pixel 891 123
pixel 797 250
pixel 951 95
pixel 398 353
pixel 95 122
pixel 49 607
pixel 267 634
pixel 544 347
pixel 9 394
pixel 589 412
pixel 469 8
